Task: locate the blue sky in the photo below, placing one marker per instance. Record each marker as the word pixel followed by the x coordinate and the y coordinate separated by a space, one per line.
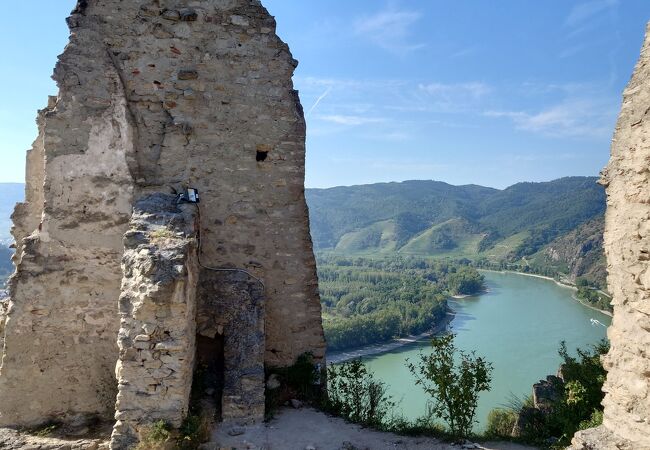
pixel 468 91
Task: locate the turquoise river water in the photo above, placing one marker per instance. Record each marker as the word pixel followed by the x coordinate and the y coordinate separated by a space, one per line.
pixel 517 325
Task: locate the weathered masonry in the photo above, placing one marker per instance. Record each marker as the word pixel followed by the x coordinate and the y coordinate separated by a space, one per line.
pixel 120 292
pixel 626 423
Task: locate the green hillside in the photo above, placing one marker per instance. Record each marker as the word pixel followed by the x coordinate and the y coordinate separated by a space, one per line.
pixel 553 226
pixel 434 219
pixel 413 205
pixel 452 237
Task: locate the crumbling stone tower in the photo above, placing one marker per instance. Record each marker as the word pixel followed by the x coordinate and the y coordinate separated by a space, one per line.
pixel 157 96
pixel 626 421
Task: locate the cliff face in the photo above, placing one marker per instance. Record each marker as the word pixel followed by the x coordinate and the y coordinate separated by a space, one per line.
pixel 627 246
pixel 157 96
pixel 581 250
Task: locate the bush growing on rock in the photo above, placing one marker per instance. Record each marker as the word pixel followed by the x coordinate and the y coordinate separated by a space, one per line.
pixel 578 403
pixel 582 395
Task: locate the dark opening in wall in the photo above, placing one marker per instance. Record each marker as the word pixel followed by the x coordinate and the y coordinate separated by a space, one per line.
pixel 207 386
pixel 261 156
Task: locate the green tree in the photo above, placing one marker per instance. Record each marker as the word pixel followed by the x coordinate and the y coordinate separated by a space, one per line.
pixel 453 379
pixel 355 394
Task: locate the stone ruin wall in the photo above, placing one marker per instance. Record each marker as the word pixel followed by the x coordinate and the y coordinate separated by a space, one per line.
pixel 158 317
pixel 61 329
pixel 157 95
pixel 626 423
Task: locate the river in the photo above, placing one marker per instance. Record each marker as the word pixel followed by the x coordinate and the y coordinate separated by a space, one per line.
pixel 517 325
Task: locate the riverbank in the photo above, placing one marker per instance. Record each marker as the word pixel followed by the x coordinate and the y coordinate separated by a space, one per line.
pixel 485 290
pixel 376 349
pixel 583 303
pixel 517 327
pixel 559 283
pixel 534 275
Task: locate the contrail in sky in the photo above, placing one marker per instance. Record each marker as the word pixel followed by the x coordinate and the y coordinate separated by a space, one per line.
pixel 325 94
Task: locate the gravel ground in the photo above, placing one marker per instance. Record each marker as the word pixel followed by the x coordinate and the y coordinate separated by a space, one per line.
pixel 308 429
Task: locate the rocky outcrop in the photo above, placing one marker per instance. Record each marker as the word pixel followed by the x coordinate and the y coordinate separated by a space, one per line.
pixel 156 96
pixel 546 393
pixel 626 422
pixel 581 251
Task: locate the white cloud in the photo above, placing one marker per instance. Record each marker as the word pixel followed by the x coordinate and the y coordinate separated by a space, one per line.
pixel 572 50
pixel 599 18
pixel 453 97
pixel 318 82
pixel 394 136
pixel 450 91
pixel 572 117
pixel 410 166
pixel 585 11
pixel 350 120
pixel 398 104
pixel 390 29
pixel 394 165
pixel 467 51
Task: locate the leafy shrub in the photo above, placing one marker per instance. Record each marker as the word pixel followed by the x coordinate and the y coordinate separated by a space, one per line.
pixel 302 376
pixel 302 381
pixel 355 395
pixel 46 430
pixel 194 431
pixel 453 386
pixel 501 421
pixel 595 420
pixel 422 426
pixel 155 436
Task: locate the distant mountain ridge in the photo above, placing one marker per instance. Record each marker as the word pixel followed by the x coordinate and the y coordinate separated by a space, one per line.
pixel 555 225
pixel 10 194
pixel 432 218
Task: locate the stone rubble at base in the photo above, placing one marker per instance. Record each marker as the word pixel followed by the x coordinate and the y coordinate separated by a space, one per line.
pixel 14 440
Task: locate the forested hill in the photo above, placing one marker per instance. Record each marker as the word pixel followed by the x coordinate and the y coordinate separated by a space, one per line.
pixel 431 218
pixel 554 226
